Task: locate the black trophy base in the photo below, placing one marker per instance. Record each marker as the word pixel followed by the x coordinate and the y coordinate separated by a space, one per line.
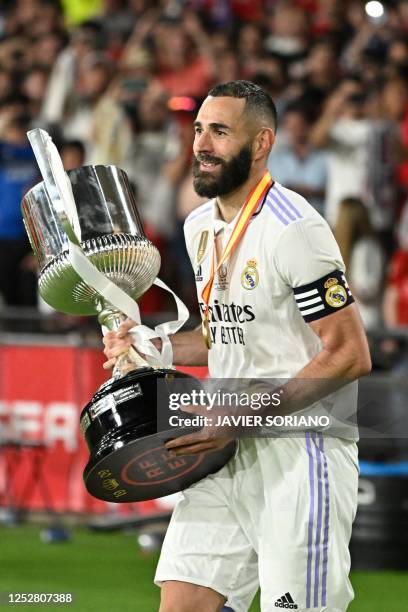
pixel 144 470
pixel 128 461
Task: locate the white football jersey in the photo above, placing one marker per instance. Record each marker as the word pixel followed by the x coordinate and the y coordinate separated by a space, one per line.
pixel 285 272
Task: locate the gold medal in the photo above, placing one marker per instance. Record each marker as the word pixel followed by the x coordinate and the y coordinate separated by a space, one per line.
pixel 205 328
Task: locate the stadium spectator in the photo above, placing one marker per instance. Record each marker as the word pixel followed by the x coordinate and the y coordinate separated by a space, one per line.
pixel 395 304
pixel 227 66
pixel 383 193
pixel 46 47
pixel 344 128
pixel 116 19
pixel 363 257
pixel 321 72
pixel 289 31
pixel 22 16
pixel 395 104
pixel 13 55
pixel 327 16
pixel 397 56
pixel 72 154
pixel 18 173
pixel 33 85
pixel 396 292
pixel 298 165
pixel 92 80
pixel 6 84
pixel 61 97
pixel 157 160
pixel 183 57
pixel 250 49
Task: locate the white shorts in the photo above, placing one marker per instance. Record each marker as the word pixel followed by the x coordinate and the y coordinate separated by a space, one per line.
pixel 278 515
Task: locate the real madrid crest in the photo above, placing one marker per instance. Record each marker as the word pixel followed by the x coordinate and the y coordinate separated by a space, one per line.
pixel 336 294
pixel 250 275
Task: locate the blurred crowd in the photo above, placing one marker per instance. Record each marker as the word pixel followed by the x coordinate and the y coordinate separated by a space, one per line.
pixel 119 82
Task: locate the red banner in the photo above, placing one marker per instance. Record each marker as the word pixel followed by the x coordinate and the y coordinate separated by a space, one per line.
pixel 42 392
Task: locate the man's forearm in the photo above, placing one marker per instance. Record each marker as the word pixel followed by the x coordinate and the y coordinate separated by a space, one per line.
pixel 324 374
pixel 189 348
pixel 344 356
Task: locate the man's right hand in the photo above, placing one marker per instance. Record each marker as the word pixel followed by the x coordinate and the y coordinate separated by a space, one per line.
pixel 117 343
pixel 189 348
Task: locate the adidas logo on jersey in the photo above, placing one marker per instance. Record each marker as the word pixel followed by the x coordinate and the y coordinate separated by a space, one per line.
pixel 199 274
pixel 286 602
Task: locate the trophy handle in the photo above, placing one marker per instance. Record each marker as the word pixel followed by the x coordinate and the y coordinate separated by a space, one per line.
pixel 131 360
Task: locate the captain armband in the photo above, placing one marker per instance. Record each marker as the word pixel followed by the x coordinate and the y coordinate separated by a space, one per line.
pixel 323 297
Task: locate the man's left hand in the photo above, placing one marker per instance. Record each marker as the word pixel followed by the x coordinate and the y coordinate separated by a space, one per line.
pixel 210 438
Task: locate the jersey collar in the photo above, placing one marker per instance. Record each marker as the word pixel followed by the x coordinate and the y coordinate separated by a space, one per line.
pixel 219 224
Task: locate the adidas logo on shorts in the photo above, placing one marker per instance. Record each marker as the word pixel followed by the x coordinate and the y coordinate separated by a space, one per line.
pixel 286 602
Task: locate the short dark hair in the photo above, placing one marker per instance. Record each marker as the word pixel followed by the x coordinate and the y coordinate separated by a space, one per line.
pixel 300 107
pixel 257 101
pixel 78 145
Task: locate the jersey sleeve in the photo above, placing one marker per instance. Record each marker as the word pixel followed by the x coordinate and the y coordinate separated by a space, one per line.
pixel 193 230
pixel 187 241
pixel 308 260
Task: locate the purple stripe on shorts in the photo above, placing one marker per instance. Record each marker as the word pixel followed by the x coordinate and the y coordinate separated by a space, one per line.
pixel 282 207
pixel 277 213
pixel 310 523
pixel 326 523
pixel 319 521
pixel 289 203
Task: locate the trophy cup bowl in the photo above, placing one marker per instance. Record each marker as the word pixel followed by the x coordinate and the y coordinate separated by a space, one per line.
pixel 128 461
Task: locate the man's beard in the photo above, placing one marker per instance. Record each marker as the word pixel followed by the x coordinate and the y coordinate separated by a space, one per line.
pixel 233 173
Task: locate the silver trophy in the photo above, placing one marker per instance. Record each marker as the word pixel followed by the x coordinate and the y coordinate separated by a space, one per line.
pixel 120 422
pixel 112 237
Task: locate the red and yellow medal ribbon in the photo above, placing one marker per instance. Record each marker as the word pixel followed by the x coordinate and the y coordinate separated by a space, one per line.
pixel 251 204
